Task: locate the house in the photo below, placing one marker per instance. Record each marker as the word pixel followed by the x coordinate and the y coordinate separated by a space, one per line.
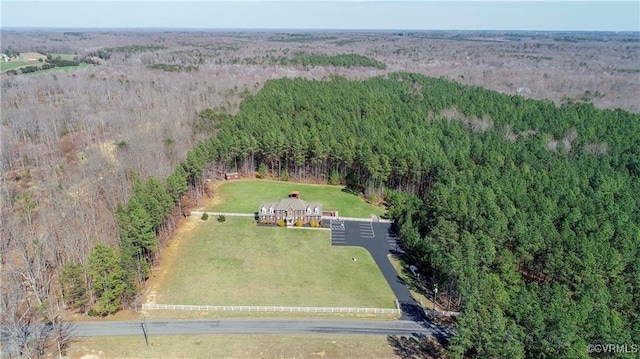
pixel 231 176
pixel 290 210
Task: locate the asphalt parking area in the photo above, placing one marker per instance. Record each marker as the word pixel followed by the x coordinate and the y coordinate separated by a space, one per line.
pixel 380 240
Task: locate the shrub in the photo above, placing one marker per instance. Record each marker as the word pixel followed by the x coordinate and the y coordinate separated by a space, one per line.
pixel 92 313
pixel 262 171
pixel 284 176
pixel 334 178
pixel 314 224
pixel 281 223
pixel 222 218
pixel 205 216
pixel 298 223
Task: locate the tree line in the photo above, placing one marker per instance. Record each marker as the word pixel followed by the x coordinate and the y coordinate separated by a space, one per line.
pixel 114 275
pixel 499 199
pixel 523 213
pixel 341 60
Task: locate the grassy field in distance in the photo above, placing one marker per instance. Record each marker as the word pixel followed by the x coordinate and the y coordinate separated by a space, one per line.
pixel 82 65
pixel 6 66
pixel 239 263
pixel 68 57
pixel 245 196
pixel 22 61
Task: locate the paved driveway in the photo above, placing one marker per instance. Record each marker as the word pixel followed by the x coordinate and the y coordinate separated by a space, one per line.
pixel 380 240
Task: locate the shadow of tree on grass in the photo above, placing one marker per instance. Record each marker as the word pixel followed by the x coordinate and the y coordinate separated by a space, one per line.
pixel 416 347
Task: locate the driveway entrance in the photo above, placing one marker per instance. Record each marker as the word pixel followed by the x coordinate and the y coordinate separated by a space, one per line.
pixel 380 240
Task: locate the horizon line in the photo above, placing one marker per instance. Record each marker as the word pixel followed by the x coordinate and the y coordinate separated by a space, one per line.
pixel 256 29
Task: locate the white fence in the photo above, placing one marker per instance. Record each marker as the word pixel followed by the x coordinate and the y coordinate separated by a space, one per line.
pixel 380 220
pixel 374 220
pixel 199 213
pixel 266 309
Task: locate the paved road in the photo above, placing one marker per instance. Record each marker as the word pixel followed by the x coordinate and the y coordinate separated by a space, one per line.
pixel 380 240
pixel 260 326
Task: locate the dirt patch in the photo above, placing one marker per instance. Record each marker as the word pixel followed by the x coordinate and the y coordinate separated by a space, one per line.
pixel 471 123
pixel 168 258
pixel 417 347
pixel 567 141
pixel 32 56
pixel 551 145
pixel 598 148
pixel 90 356
pixel 123 315
pixel 213 198
pixel 510 135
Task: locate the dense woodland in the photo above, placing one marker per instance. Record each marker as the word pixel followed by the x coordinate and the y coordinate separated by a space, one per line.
pixel 530 225
pixel 522 212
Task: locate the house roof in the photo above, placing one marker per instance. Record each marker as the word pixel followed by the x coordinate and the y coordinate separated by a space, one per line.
pixel 295 203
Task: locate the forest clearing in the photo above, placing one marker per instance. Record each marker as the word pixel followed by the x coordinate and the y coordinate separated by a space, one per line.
pixel 244 196
pixel 238 263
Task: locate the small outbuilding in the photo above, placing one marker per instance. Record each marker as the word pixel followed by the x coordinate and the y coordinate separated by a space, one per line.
pixel 231 176
pixel 330 214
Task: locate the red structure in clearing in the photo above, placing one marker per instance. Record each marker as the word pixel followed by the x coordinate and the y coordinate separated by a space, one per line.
pixel 231 176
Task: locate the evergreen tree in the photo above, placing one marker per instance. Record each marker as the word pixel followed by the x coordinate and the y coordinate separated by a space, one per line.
pixel 108 279
pixel 177 184
pixel 74 286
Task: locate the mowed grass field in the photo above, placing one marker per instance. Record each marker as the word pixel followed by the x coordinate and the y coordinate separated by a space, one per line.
pixel 23 62
pixel 60 69
pixel 235 346
pixel 6 66
pixel 239 263
pixel 68 57
pixel 245 196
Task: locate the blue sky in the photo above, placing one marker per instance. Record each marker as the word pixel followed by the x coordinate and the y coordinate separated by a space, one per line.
pixel 336 14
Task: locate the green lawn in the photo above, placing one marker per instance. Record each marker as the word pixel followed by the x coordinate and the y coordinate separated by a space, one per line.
pixel 246 195
pixel 60 69
pixel 239 263
pixel 235 346
pixel 11 65
pixel 68 57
